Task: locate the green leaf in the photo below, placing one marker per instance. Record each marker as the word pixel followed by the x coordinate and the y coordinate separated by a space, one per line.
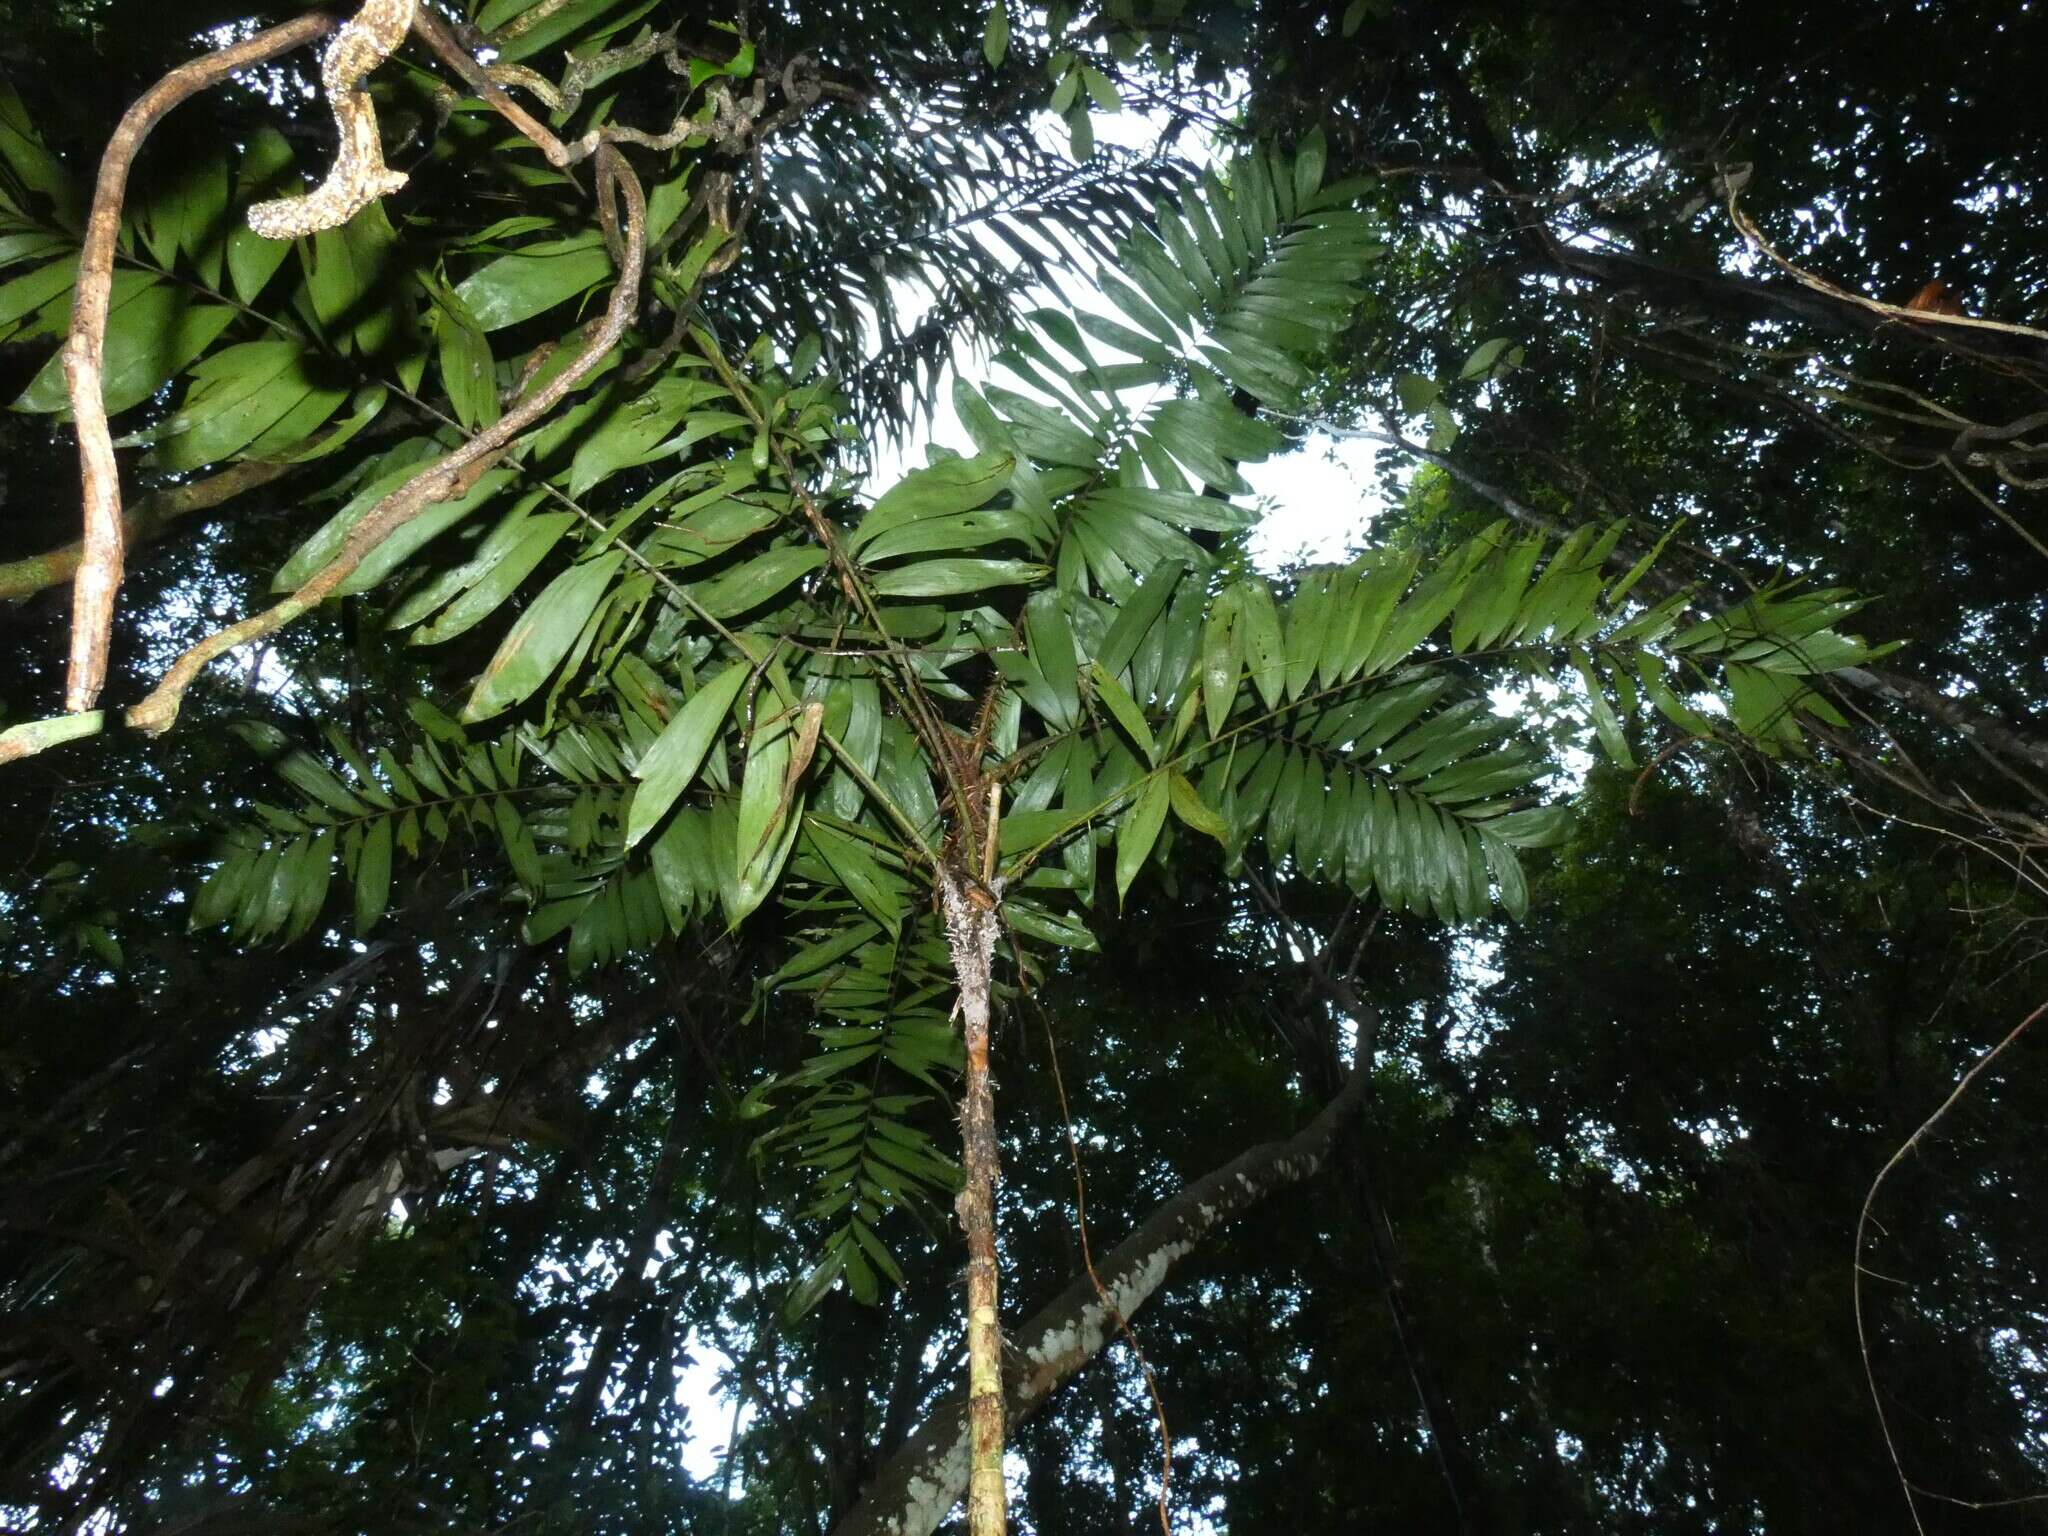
pixel 1049 927
pixel 1541 826
pixel 265 171
pixel 382 476
pixel 467 371
pixel 1124 708
pixel 536 644
pixel 1264 649
pixel 1443 427
pixel 954 577
pixel 32 163
pixel 639 430
pixel 219 896
pixel 816 1284
pixel 530 281
pixel 1605 725
pixel 1139 830
pixel 1309 158
pixel 153 330
pixel 1067 86
pixel 1080 132
pixel 1416 391
pixel 518 841
pixel 672 762
pixel 995 37
pixel 1188 806
pixel 1049 632
pixel 396 547
pixel 1137 614
pixel 39 302
pixel 953 485
pixel 1641 568
pixel 1481 363
pixel 958 530
pixel 1101 89
pixel 1507 874
pixel 236 395
pixel 373 875
pixel 856 869
pixel 500 577
pixel 769 813
pixel 1309 616
pixel 753 582
pixel 872 1246
pixel 1223 642
pixel 347 272
pixel 314 870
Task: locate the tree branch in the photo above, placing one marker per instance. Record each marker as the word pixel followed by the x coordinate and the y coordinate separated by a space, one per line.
pixel 149 519
pixel 99 571
pixel 448 476
pixel 919 1485
pixel 450 51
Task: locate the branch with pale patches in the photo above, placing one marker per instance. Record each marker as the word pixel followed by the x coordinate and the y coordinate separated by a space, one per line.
pixel 448 476
pixel 149 519
pixel 99 571
pixel 919 1485
pixel 449 50
pixel 98 568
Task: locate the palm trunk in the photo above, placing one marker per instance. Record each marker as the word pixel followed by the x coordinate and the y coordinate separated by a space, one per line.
pixel 971 932
pixel 916 1488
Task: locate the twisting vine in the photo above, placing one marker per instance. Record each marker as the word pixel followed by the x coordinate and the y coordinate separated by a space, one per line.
pixel 358 178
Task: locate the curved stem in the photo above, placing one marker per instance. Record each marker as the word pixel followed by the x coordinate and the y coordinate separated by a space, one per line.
pixel 99 572
pixel 1857 1270
pixel 448 476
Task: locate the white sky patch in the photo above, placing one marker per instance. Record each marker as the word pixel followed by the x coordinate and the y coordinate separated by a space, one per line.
pixel 701 1389
pixel 1319 498
pixel 1322 500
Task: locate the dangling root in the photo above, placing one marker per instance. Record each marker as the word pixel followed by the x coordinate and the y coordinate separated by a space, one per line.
pixel 360 176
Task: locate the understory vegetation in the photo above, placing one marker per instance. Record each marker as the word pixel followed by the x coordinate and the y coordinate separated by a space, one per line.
pixel 1222 764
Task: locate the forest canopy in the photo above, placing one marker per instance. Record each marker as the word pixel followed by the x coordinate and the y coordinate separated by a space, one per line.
pixel 1218 764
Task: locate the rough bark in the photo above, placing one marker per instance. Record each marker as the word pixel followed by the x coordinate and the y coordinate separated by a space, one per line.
pixel 971 933
pixel 1948 710
pixel 920 1484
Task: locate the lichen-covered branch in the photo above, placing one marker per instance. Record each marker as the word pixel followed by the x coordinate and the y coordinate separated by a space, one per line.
pixel 359 176
pixel 920 1484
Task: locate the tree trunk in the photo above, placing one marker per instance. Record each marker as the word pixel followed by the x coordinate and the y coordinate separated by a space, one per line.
pixel 918 1486
pixel 971 932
